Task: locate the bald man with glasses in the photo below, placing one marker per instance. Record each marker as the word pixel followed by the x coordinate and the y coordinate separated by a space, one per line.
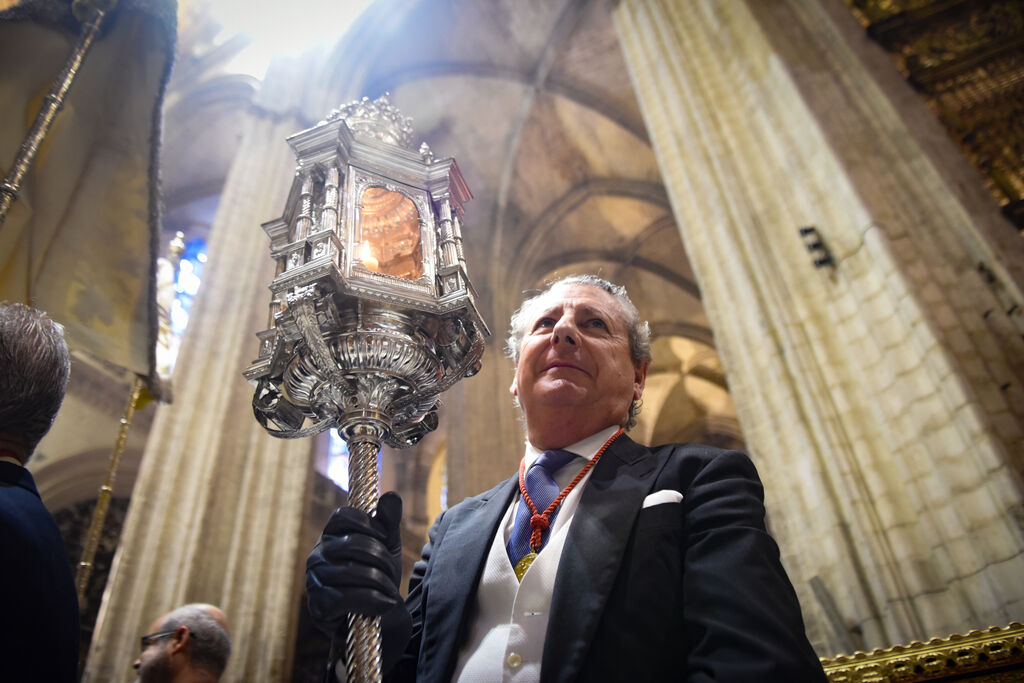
pixel 189 645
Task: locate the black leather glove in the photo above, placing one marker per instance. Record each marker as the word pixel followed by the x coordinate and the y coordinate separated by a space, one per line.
pixel 356 566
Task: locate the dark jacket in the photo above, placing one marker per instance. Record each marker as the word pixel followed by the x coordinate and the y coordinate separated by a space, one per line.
pixel 692 591
pixel 38 604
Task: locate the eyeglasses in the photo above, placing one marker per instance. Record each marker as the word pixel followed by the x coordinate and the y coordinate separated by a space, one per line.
pixel 148 640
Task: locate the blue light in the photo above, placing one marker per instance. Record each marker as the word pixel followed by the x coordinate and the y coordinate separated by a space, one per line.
pixel 186 283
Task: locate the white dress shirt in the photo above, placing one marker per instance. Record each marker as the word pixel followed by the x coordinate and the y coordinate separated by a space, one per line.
pixel 509 619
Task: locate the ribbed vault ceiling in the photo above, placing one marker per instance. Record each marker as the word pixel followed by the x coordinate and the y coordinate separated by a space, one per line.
pixel 535 102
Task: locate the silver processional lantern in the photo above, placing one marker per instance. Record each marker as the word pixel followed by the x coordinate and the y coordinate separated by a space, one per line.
pixel 372 312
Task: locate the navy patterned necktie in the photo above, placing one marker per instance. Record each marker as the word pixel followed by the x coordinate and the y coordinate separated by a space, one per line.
pixel 543 490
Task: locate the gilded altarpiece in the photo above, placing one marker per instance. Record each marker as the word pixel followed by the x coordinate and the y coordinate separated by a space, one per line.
pixel 967 59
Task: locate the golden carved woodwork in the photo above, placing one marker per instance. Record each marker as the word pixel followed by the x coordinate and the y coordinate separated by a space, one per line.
pixel 966 57
pixel 994 655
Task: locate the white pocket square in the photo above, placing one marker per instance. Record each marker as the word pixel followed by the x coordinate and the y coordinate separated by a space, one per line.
pixel 663 496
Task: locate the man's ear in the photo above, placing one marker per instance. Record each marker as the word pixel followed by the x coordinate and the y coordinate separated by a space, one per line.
pixel 639 380
pixel 180 638
pixel 513 389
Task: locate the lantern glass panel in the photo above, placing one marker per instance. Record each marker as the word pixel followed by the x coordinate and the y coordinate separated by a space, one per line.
pixel 389 226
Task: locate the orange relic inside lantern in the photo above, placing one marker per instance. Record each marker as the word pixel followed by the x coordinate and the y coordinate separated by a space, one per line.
pixel 390 230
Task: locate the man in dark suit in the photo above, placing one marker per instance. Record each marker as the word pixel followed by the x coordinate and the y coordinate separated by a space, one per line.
pixel 602 560
pixel 38 605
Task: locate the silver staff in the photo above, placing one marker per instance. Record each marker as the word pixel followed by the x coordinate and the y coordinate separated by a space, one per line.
pixel 372 312
pixel 91 14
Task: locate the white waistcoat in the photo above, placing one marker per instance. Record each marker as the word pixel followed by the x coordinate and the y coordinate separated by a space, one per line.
pixel 507 628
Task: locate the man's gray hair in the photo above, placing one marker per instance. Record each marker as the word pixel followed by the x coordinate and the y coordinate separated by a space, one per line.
pixel 34 370
pixel 211 643
pixel 639 330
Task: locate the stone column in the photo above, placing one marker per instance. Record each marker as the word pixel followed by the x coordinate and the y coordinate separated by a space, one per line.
pixel 484 436
pixel 216 511
pixel 881 398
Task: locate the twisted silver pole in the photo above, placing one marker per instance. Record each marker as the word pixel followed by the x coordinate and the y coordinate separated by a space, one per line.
pixel 363 648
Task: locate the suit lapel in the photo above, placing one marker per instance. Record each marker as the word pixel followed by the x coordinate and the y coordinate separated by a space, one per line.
pixel 458 564
pixel 593 553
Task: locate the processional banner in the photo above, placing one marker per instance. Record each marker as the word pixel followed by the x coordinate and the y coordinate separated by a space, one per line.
pixel 82 238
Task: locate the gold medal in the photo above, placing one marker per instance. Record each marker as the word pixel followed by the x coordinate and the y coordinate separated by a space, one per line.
pixel 539 521
pixel 524 564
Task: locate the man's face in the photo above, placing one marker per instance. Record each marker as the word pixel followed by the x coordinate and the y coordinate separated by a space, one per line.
pixel 575 354
pixel 154 664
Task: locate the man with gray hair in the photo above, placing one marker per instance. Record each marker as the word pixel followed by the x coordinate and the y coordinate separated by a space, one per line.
pixel 602 560
pixel 38 605
pixel 188 645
